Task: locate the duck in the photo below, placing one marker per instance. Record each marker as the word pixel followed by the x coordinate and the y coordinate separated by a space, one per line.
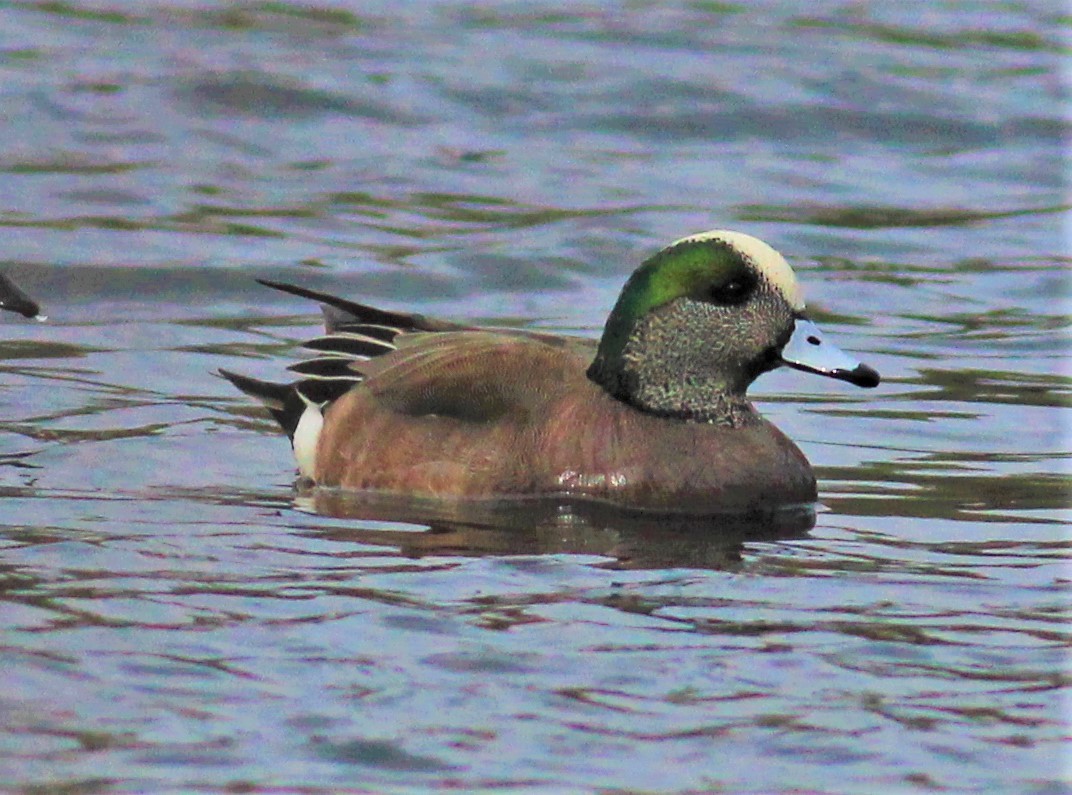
pixel 653 415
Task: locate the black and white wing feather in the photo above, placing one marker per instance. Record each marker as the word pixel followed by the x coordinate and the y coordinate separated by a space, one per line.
pixel 355 333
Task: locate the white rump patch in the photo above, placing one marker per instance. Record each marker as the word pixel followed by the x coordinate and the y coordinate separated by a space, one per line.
pixel 306 438
pixel 768 263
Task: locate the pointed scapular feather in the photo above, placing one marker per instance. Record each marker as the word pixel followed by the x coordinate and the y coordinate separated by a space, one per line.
pixel 339 311
pixel 327 367
pixel 356 335
pixel 371 330
pixel 355 346
pixel 321 391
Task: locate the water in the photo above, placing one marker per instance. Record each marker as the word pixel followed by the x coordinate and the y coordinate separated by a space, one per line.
pixel 174 621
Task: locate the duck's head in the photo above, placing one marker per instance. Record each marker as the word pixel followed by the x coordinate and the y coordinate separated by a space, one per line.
pixel 701 319
pixel 15 300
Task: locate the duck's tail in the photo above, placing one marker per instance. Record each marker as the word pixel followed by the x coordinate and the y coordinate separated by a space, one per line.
pixel 300 417
pixel 282 400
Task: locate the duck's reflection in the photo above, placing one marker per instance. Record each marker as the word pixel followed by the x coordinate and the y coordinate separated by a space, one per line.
pixel 630 539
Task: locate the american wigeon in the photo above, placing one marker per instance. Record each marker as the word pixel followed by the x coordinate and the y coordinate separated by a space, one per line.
pixel 654 415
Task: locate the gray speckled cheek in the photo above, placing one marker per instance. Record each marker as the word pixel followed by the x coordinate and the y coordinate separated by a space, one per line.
pixel 694 359
pixel 766 321
pixel 717 342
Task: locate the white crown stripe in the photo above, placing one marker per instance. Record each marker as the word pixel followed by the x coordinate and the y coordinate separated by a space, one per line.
pixel 768 263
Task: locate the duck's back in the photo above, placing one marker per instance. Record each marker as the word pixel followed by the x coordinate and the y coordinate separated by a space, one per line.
pixel 497 414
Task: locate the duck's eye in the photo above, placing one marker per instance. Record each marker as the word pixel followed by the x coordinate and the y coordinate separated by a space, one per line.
pixel 733 292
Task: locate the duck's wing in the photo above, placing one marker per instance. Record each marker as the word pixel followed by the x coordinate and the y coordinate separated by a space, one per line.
pixel 340 312
pixel 354 333
pixel 478 376
pixel 469 369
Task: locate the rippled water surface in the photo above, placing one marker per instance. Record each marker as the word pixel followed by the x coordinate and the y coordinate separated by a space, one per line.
pixel 174 620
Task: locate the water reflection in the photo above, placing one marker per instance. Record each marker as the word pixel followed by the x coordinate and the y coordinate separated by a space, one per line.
pixel 884 217
pixel 631 539
pixel 943 487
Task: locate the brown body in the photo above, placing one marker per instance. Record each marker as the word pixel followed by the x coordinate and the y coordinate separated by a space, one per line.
pixel 654 416
pixel 488 414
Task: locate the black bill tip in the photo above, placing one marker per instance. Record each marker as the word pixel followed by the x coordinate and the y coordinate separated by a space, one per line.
pixel 15 300
pixel 862 375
